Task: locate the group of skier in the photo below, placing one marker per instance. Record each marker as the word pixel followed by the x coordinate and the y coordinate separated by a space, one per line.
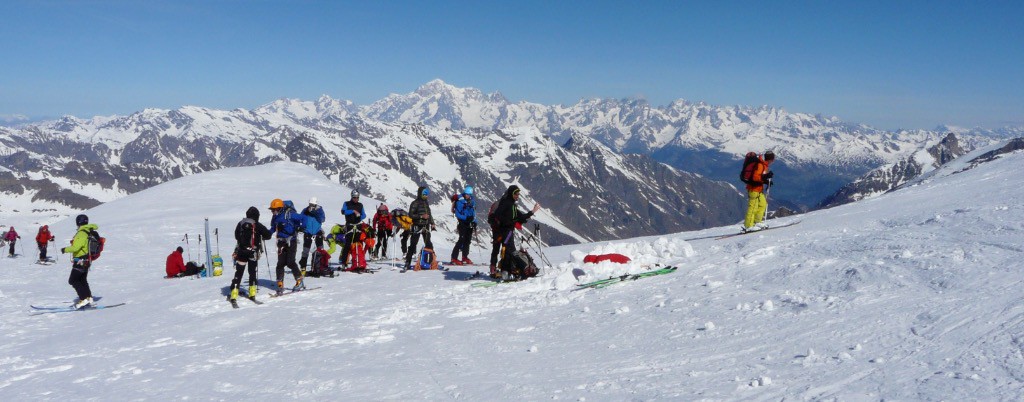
pixel 43 240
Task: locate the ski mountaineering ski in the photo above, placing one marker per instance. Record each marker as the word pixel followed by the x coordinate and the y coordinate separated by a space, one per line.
pixel 726 236
pixel 70 309
pixel 622 278
pixel 293 292
pixel 234 303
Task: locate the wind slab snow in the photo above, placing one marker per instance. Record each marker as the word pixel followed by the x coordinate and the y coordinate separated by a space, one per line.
pixel 914 295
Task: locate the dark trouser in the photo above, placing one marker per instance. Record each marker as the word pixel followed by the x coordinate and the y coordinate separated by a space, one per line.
pixel 350 234
pixel 11 242
pixel 191 269
pixel 501 238
pixel 414 241
pixel 465 230
pixel 307 241
pixel 240 269
pixel 286 256
pixel 381 249
pixel 42 250
pixel 79 277
pixel 405 240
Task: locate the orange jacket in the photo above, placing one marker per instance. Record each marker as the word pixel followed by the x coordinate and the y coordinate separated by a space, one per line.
pixel 761 167
pixel 44 235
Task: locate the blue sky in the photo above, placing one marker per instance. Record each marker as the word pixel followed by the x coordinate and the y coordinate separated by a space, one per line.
pixel 890 64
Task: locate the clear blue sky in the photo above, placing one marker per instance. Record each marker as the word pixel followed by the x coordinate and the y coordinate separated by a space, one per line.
pixel 890 64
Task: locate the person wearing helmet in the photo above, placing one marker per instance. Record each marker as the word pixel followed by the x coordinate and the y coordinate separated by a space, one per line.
pixel 287 224
pixel 465 214
pixel 43 240
pixel 757 202
pixel 384 227
pixel 249 237
pixel 509 217
pixel 314 220
pixel 422 224
pixel 12 237
pixel 80 262
pixel 354 213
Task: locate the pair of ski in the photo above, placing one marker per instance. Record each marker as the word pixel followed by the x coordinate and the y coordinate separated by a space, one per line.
pixel 623 278
pixel 234 303
pixel 71 308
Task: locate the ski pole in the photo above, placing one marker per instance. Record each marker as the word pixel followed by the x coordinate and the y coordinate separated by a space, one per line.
pixel 766 190
pixel 267 259
pixel 188 247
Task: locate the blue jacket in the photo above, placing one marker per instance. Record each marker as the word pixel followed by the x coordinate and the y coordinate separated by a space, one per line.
pixel 288 222
pixel 314 219
pixel 465 210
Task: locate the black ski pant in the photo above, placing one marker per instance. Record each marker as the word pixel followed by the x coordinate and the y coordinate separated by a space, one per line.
pixel 414 240
pixel 465 230
pixel 42 250
pixel 307 241
pixel 11 242
pixel 79 277
pixel 286 257
pixel 240 270
pixel 381 249
pixel 499 239
pixel 405 241
pixel 350 235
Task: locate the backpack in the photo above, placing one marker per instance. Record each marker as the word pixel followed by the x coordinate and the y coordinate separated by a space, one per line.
pixel 455 199
pixel 519 265
pixel 321 264
pixel 749 166
pixel 402 219
pixel 427 260
pixel 492 219
pixel 247 251
pixel 96 243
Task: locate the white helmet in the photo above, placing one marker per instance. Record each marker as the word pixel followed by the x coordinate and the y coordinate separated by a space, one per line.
pixel 312 201
pixel 355 194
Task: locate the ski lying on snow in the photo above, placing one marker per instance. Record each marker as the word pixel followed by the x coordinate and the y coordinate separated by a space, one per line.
pixel 292 292
pixel 756 231
pixel 70 309
pixel 622 278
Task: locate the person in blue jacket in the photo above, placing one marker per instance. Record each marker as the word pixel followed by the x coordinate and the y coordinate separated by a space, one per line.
pixel 314 219
pixel 354 213
pixel 465 213
pixel 287 224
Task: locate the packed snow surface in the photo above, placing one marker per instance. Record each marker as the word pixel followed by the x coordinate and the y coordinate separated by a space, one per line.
pixel 913 295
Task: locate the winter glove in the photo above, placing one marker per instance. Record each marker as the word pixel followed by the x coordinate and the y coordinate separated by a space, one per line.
pixel 767 176
pixel 62 250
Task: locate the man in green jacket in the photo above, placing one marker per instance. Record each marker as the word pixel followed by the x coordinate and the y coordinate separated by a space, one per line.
pixel 80 261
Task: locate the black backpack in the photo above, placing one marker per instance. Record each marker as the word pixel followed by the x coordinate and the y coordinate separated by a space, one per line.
pixel 96 243
pixel 247 245
pixel 519 265
pixel 492 218
pixel 749 166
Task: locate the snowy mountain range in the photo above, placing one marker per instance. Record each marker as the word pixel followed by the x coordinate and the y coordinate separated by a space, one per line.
pixel 911 295
pixel 588 191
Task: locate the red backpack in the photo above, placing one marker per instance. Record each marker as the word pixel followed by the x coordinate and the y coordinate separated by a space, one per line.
pixel 749 167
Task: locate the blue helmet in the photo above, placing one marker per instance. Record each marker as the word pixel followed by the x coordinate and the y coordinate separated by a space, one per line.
pixel 469 190
pixel 81 220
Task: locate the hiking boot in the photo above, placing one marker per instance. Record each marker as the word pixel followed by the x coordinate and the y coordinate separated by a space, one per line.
pixel 298 286
pixel 83 303
pixel 234 294
pixel 761 225
pixel 751 229
pixel 252 291
pixel 456 262
pixel 280 287
pixel 467 261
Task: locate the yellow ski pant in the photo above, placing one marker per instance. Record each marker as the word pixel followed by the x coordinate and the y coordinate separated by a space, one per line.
pixel 756 205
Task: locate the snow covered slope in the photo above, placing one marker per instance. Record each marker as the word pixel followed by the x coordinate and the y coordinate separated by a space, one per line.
pixel 912 295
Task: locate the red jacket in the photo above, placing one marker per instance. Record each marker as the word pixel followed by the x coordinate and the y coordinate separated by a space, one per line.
pixel 44 235
pixel 175 264
pixel 382 220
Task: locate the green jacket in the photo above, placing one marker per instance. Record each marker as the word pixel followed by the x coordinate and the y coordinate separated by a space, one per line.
pixel 80 244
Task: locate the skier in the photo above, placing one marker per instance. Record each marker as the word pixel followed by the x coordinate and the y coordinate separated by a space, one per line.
pixel 353 212
pixel 382 222
pixel 757 204
pixel 43 239
pixel 465 213
pixel 509 217
pixel 287 223
pixel 11 237
pixel 314 219
pixel 80 261
pixel 249 235
pixel 423 224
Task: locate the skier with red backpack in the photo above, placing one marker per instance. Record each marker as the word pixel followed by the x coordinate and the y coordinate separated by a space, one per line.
pixel 84 249
pixel 249 236
pixel 465 212
pixel 758 178
pixel 382 223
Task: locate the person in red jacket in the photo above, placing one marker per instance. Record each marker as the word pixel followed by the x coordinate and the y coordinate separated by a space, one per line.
pixel 383 226
pixel 43 239
pixel 11 237
pixel 176 266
